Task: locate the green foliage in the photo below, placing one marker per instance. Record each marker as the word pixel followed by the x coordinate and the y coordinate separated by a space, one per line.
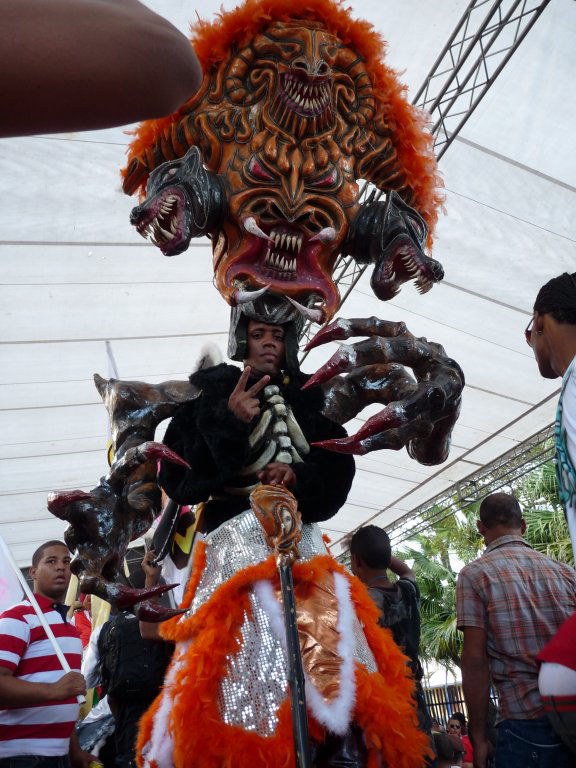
pixel 436 557
pixel 438 554
pixel 546 527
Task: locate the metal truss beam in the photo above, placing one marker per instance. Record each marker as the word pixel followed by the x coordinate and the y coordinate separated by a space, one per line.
pixel 500 474
pixel 482 43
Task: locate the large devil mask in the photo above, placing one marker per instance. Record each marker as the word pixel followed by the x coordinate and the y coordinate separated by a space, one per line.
pixel 291 116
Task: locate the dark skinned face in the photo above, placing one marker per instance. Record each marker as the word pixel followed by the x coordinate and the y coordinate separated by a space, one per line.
pixel 538 340
pixel 52 574
pixel 265 347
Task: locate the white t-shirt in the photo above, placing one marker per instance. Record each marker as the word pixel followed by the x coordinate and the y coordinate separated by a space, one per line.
pixel 569 424
pixel 556 680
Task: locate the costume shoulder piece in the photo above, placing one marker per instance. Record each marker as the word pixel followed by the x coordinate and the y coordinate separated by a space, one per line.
pixel 217 379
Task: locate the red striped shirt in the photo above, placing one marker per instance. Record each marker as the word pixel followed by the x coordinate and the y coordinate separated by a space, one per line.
pixel 44 728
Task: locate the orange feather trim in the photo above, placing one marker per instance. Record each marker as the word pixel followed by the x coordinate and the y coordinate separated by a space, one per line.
pixel 384 706
pixel 198 567
pixel 213 41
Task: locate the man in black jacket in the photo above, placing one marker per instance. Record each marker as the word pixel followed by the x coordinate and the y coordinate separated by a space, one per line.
pixel 252 426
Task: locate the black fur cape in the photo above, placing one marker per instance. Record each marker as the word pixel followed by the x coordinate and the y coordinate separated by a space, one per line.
pixel 215 444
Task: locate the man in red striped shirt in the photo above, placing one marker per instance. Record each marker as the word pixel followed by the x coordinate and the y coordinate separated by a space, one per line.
pixel 37 700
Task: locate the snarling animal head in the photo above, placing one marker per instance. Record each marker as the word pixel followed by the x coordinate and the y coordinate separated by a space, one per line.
pixel 293 113
pixel 182 198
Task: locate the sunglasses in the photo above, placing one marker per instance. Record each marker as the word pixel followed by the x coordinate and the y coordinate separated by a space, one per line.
pixel 454 725
pixel 528 332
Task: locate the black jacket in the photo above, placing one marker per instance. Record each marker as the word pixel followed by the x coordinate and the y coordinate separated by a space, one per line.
pixel 215 444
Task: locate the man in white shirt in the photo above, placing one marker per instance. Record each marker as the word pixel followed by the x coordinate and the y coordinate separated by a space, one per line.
pixel 552 335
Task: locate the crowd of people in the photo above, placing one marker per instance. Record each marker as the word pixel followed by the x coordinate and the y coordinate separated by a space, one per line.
pixel 515 607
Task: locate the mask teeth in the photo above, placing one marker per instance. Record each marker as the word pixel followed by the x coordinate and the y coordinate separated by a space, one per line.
pixel 283 250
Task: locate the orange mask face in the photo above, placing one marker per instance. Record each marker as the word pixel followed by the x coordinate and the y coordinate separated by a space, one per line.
pixel 291 180
pixel 287 125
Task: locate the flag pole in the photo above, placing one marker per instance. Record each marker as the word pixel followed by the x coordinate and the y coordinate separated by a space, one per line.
pixel 28 592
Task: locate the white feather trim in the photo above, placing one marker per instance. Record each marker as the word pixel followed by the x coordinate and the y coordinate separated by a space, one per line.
pixel 336 714
pixel 210 354
pixel 265 594
pixel 159 748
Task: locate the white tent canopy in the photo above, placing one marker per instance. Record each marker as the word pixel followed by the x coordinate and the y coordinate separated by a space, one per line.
pixel 75 274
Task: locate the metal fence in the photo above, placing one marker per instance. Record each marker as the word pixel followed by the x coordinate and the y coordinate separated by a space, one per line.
pixel 444 700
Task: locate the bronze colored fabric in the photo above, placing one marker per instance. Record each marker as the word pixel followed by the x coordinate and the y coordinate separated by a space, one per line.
pixel 316 604
pixel 317 618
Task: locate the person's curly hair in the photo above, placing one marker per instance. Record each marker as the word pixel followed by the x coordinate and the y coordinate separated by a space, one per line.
pixel 558 298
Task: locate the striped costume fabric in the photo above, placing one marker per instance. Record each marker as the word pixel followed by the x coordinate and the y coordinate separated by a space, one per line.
pixel 45 728
pixel 520 598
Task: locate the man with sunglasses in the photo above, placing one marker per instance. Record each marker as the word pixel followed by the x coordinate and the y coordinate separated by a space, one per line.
pixel 552 335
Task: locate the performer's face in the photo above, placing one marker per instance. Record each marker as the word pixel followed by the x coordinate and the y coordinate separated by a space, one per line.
pixel 265 347
pixel 52 574
pixel 540 335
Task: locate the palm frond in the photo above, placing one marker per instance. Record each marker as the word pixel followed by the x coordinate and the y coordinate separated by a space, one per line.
pixel 455 539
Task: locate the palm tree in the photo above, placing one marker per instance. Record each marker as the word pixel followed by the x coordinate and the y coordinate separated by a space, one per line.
pixel 546 528
pixel 436 556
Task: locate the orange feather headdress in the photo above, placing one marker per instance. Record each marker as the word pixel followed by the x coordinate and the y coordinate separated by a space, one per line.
pixel 232 30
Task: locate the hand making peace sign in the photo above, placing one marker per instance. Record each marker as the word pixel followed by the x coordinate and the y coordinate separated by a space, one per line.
pixel 243 402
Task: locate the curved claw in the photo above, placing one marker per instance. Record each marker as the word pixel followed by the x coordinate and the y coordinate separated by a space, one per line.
pixel 126 597
pixel 359 444
pixel 389 418
pixel 343 445
pixel 154 613
pixel 58 500
pixel 340 362
pixel 153 450
pixel 335 331
pixel 344 328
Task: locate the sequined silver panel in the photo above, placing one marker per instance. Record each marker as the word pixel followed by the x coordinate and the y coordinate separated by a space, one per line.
pixel 363 653
pixel 239 543
pixel 255 684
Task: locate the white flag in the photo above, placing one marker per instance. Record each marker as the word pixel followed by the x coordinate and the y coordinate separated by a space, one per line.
pixel 10 590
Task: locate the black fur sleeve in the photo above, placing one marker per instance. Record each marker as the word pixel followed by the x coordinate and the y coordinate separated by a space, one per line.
pixel 211 439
